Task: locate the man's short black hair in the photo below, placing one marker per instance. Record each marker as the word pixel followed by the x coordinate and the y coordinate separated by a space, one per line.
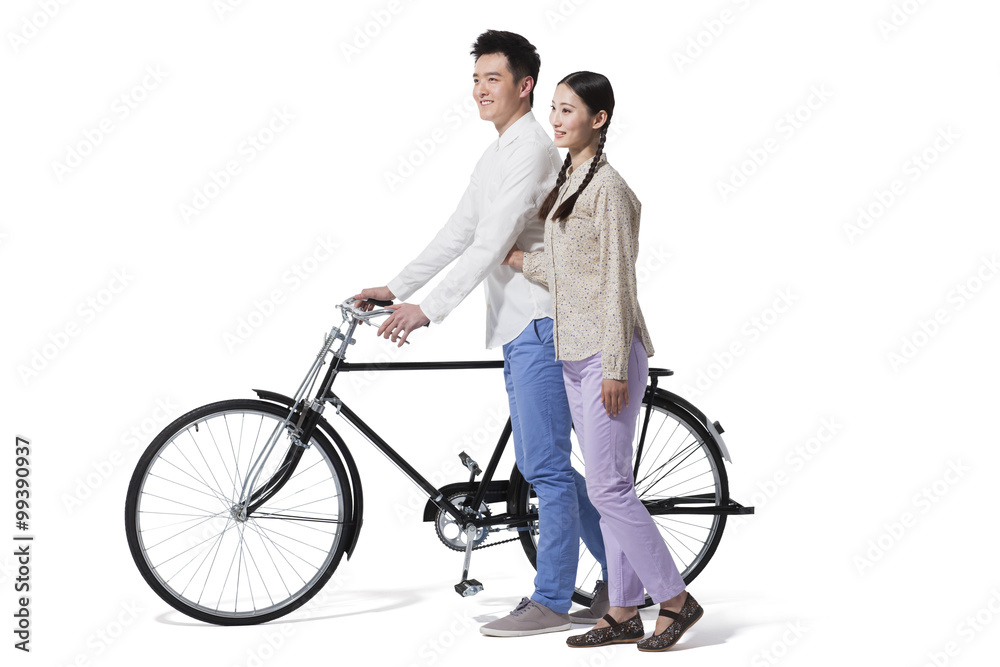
pixel 522 57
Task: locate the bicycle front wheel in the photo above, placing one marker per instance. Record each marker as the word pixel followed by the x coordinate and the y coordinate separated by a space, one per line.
pixel 194 546
pixel 677 465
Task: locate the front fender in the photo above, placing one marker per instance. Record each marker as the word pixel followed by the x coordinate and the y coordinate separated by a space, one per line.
pixel 341 447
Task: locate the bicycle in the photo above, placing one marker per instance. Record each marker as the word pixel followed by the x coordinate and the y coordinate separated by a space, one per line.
pixel 237 537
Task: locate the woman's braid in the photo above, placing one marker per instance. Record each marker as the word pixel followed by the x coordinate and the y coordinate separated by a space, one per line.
pixel 550 200
pixel 566 208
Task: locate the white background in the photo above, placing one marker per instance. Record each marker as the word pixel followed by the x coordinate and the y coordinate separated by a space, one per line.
pixel 826 573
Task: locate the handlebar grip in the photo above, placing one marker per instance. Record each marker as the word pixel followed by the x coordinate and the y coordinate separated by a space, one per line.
pixel 379 302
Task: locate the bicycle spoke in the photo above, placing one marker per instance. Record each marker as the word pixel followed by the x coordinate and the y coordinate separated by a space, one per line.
pixel 289 537
pixel 218 487
pixel 221 534
pixel 673 534
pixel 311 502
pixel 593 566
pixel 656 437
pixel 294 517
pixel 177 534
pixel 222 588
pixel 300 472
pixel 176 502
pixel 260 530
pixel 215 549
pixel 253 450
pixel 170 481
pixel 322 481
pixel 680 449
pixel 672 518
pixel 211 435
pixel 690 449
pixel 232 449
pixel 263 582
pixel 214 494
pixel 264 540
pixel 685 481
pixel 676 531
pixel 167 525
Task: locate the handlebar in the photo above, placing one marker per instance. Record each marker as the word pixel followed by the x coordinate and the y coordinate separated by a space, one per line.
pixel 348 309
pixel 350 312
pixel 364 315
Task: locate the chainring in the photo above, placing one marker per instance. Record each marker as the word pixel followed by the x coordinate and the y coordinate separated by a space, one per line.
pixel 450 532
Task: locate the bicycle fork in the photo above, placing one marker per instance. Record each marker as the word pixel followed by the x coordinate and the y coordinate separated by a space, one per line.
pixel 249 504
pixel 302 420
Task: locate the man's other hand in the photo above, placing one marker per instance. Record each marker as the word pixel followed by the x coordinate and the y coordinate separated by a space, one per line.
pixel 403 322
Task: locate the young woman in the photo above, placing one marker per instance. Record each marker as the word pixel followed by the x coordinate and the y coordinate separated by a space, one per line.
pixel 591 241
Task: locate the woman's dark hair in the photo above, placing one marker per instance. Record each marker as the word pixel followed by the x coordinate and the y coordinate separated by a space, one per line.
pixel 595 91
pixel 522 57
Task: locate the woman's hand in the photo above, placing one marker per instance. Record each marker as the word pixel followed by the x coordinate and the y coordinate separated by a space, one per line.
pixel 515 259
pixel 614 396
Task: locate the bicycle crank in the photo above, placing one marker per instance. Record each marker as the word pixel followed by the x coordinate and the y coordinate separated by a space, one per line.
pixel 468 587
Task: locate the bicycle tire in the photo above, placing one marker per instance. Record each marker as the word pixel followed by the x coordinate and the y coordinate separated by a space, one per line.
pixel 692 539
pixel 180 502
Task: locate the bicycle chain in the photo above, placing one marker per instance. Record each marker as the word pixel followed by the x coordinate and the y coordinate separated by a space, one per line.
pixel 495 544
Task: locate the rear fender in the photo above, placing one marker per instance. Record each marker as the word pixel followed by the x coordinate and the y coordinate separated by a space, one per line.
pixel 714 428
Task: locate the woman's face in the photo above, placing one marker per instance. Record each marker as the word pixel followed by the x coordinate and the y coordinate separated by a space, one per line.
pixel 572 123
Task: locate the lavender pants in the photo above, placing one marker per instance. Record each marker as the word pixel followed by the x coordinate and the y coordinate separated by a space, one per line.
pixel 636 554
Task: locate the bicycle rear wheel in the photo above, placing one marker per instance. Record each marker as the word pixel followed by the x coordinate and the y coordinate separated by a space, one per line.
pixel 678 459
pixel 191 543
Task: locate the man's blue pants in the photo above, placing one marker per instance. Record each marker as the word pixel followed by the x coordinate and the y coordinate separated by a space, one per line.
pixel 541 422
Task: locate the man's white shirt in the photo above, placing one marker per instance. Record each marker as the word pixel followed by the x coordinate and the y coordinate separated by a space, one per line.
pixel 499 208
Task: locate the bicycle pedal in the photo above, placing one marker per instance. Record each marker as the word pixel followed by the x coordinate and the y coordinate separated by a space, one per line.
pixel 468 587
pixel 470 464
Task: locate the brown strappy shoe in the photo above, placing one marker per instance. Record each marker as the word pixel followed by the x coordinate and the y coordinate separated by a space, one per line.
pixel 626 632
pixel 690 613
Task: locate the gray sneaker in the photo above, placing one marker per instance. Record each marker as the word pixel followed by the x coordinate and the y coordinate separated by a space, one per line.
pixel 599 606
pixel 527 618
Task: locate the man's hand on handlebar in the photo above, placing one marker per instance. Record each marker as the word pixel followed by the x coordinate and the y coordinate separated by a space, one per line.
pixel 400 324
pixel 381 293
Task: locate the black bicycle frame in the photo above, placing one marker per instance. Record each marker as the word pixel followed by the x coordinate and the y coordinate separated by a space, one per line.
pixel 433 493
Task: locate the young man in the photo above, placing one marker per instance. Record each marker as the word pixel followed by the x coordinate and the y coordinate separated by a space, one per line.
pixel 499 209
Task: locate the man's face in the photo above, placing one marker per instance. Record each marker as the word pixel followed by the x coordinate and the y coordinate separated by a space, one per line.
pixel 495 90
